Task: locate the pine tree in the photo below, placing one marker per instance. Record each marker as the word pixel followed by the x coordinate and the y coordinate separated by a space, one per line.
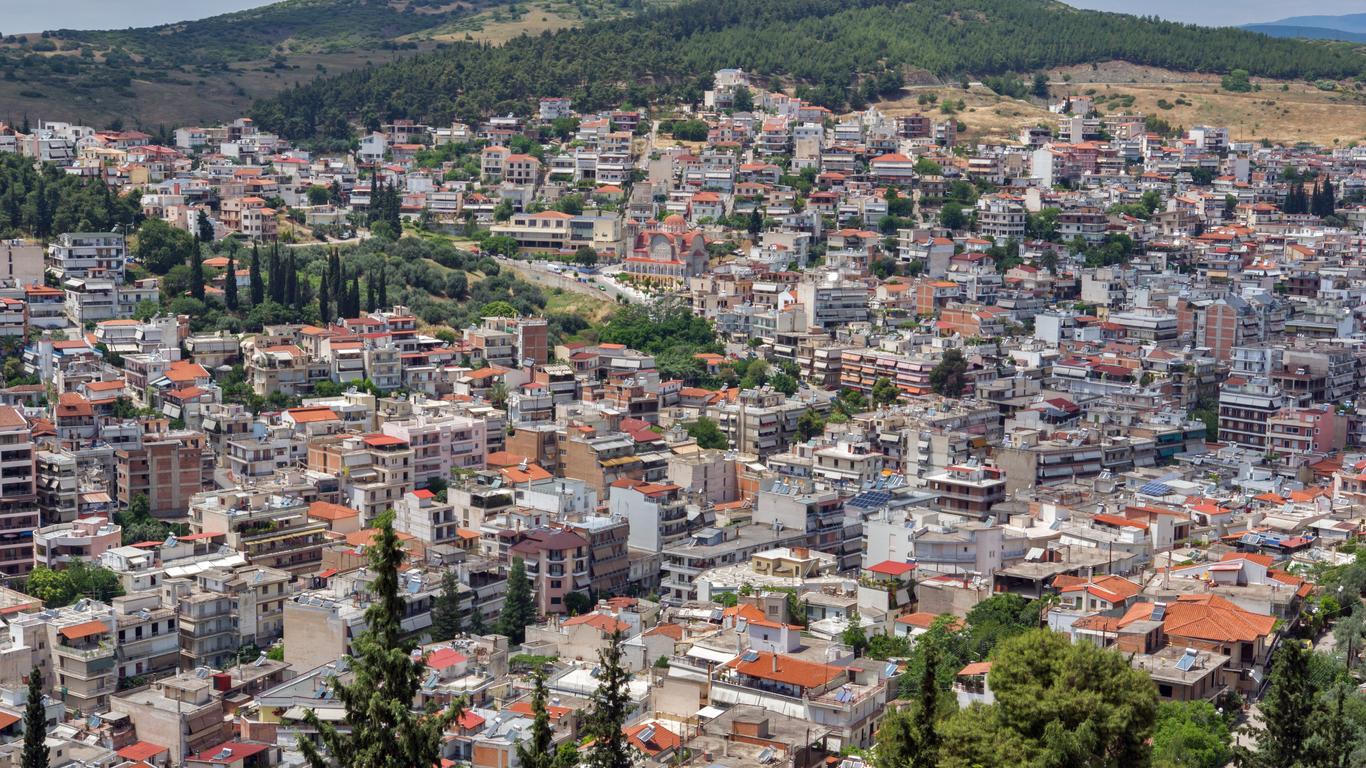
pixel 446 610
pixel 384 730
pixel 1287 709
pixel 909 737
pixel 35 724
pixel 536 751
pixel 197 271
pixel 258 288
pixel 230 284
pixel 519 609
pixel 1336 736
pixel 607 710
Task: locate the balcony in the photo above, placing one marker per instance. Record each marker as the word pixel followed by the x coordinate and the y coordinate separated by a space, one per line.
pixel 89 653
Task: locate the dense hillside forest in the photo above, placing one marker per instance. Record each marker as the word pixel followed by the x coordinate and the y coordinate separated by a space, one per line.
pixel 254 33
pixel 824 46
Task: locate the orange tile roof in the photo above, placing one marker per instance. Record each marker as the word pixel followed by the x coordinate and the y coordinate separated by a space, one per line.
pixel 73 404
pixel 925 620
pixel 523 707
pixel 84 629
pixel 141 750
pixel 185 371
pixel 325 510
pixel 312 414
pixel 600 621
pixel 661 740
pixel 976 668
pixel 787 669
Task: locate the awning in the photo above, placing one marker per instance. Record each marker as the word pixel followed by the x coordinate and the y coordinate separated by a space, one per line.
pixel 707 654
pixel 327 715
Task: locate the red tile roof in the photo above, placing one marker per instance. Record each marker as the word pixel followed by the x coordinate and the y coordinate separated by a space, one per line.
pixel 84 629
pixel 787 669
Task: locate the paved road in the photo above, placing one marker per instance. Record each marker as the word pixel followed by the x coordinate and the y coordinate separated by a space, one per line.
pixel 534 273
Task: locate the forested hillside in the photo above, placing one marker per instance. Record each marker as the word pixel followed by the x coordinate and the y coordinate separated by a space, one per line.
pixel 824 46
pixel 254 33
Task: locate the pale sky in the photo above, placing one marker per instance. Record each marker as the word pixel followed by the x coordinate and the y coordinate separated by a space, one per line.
pixel 1221 12
pixel 37 15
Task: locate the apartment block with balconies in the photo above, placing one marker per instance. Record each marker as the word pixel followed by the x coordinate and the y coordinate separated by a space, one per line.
pixel 969 490
pixel 19 514
pixel 556 562
pixel 87 254
pixel 56 546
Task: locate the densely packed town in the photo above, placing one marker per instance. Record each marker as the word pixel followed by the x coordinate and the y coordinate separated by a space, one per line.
pixel 1102 379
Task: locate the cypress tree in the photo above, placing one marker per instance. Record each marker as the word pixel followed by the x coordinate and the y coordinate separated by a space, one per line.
pixel 230 284
pixel 323 307
pixel 35 724
pixel 291 283
pixel 607 710
pixel 394 211
pixel 197 271
pixel 338 283
pixel 519 608
pixel 384 731
pixel 536 751
pixel 277 284
pixel 446 609
pixel 353 303
pixel 370 295
pixel 258 288
pixel 383 287
pixel 204 227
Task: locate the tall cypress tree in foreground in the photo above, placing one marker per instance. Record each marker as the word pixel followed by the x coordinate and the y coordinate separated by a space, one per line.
pixel 258 287
pixel 353 302
pixel 384 730
pixel 535 752
pixel 383 287
pixel 35 723
pixel 1287 710
pixel 230 284
pixel 607 710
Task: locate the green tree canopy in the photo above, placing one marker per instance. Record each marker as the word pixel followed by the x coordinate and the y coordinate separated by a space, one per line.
pixel 384 729
pixel 707 433
pixel 162 246
pixel 519 607
pixel 1056 704
pixel 949 377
